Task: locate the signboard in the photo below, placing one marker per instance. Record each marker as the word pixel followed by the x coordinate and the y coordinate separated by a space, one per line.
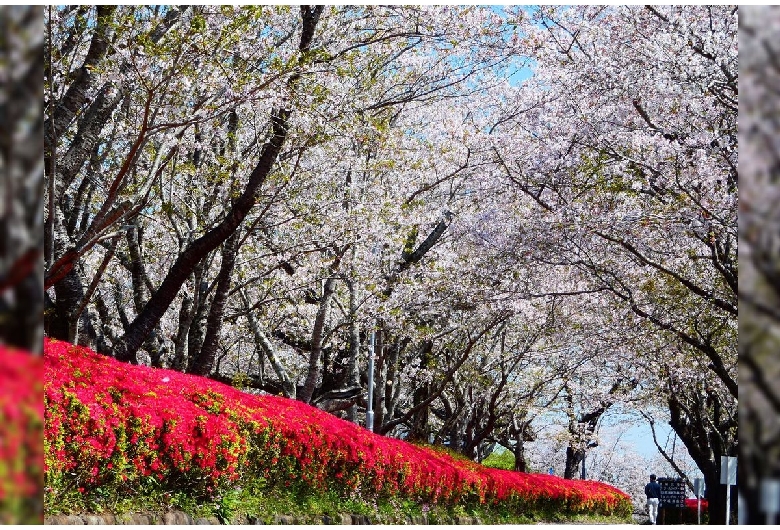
pixel 698 487
pixel 672 492
pixel 728 476
pixel 728 470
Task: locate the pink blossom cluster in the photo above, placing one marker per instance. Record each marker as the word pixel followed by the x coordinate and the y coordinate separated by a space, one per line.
pixel 21 425
pixel 112 422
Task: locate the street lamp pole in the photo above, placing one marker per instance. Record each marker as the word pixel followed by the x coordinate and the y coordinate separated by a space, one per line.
pixel 370 407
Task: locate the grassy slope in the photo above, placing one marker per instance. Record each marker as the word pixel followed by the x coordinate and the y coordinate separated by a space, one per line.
pixel 122 437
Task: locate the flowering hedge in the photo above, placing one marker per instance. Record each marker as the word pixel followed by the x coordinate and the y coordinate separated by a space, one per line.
pixel 692 504
pixel 21 430
pixel 114 423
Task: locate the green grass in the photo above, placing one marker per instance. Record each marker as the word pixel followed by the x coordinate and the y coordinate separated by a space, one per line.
pixel 500 460
pixel 256 499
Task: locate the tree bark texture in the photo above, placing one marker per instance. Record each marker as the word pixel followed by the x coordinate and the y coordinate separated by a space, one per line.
pixel 315 354
pixel 288 385
pixel 204 362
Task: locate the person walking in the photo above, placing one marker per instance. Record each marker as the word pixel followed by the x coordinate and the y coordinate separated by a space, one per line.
pixel 653 492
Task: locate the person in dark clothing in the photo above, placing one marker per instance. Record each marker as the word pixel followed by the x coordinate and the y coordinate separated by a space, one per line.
pixel 653 492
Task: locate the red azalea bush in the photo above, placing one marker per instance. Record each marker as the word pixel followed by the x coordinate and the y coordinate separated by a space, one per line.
pixel 690 516
pixel 692 504
pixel 21 430
pixel 109 422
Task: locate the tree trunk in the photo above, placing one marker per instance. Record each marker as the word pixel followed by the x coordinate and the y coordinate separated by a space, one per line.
pixel 205 359
pixel 392 385
pixel 137 271
pixel 380 379
pixel 316 342
pixel 68 294
pixel 519 451
pixel 582 426
pixel 419 427
pixel 522 432
pixel 353 371
pixel 574 458
pixel 353 374
pixel 706 448
pixel 458 429
pixel 105 337
pixel 716 497
pixel 196 331
pixel 154 344
pixel 288 386
pixel 180 352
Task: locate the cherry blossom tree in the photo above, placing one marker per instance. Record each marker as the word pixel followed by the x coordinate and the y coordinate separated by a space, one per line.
pixel 193 121
pixel 250 193
pixel 635 182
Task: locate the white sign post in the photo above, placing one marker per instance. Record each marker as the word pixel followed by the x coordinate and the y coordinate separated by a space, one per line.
pixel 770 499
pixel 728 476
pixel 698 490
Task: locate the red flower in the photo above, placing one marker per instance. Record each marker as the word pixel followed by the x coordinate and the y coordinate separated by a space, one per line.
pixel 98 410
